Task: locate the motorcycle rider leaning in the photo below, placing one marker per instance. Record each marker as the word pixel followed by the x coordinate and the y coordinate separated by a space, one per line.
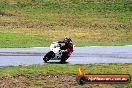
pixel 67 48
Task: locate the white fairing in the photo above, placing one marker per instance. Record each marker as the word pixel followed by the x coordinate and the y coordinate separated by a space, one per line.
pixel 55 47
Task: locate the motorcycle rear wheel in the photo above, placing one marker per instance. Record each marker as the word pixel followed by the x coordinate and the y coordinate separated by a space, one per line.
pixel 64 57
pixel 62 60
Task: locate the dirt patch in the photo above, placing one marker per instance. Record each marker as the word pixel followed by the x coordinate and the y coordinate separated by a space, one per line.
pixel 41 80
pixel 5 14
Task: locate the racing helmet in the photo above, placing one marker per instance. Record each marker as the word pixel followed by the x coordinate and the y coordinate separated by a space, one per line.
pixel 67 39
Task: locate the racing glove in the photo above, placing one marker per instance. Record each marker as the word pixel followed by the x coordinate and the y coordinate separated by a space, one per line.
pixel 64 50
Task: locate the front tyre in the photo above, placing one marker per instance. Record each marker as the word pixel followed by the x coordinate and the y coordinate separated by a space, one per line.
pixel 48 56
pixel 45 59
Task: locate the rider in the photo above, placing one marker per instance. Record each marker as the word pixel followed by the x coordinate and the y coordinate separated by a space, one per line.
pixel 67 47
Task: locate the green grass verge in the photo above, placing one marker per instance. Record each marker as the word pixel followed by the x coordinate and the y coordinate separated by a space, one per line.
pixel 42 38
pixel 70 69
pixel 65 68
pixel 36 23
pixel 22 40
pixel 67 5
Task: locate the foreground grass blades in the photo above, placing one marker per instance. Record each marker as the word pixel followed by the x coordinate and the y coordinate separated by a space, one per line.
pixel 63 75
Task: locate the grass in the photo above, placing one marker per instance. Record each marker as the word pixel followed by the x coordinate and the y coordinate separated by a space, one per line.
pixel 22 40
pixel 91 22
pixel 41 38
pixel 36 23
pixel 34 72
pixel 67 69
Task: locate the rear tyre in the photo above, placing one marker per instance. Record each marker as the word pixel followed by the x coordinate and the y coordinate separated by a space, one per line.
pixel 62 60
pixel 64 57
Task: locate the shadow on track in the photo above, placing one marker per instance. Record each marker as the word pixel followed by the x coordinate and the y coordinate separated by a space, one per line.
pixel 55 63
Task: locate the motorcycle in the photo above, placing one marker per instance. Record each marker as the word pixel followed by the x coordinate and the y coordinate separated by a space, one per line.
pixel 55 53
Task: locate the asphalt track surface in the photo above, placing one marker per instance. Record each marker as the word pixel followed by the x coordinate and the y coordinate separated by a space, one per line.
pixel 81 55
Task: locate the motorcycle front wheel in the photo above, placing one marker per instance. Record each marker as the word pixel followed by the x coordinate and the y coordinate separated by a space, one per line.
pixel 48 56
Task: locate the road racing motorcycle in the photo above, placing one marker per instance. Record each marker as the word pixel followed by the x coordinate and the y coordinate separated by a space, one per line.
pixel 55 53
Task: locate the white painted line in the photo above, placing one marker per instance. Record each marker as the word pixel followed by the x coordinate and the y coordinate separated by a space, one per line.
pixel 128 45
pixel 93 46
pixel 39 47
